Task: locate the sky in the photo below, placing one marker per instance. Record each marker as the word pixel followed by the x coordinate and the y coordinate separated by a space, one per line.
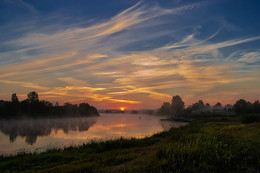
pixel 130 53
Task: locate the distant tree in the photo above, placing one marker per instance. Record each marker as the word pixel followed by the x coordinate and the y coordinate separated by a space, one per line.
pixel 250 107
pixel 44 108
pixel 201 103
pixel 33 97
pixel 208 109
pixel 240 106
pixel 187 111
pixel 57 104
pixel 67 104
pixel 207 105
pixel 70 109
pixel 14 98
pixel 177 105
pixel 218 104
pixel 33 107
pixel 256 106
pixel 84 108
pixel 165 109
pixel 25 106
pixel 134 112
pixel 198 105
pixel 14 107
pixel 93 111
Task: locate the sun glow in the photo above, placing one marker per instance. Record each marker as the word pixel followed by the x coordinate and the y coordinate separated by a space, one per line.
pixel 122 108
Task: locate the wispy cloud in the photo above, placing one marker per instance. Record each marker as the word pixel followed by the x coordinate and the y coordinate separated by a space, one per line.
pixel 83 93
pixel 88 62
pixel 25 84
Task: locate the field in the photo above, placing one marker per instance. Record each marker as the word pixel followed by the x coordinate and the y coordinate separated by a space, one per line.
pixel 207 144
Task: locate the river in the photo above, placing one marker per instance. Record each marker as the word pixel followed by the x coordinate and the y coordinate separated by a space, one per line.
pixel 37 135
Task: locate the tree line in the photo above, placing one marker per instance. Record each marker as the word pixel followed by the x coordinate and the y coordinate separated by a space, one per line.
pixel 176 107
pixel 34 107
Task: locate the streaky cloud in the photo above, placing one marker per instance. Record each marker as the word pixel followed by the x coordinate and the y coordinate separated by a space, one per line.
pixel 96 61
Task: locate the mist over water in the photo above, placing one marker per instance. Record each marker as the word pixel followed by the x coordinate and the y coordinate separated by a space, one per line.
pixel 40 134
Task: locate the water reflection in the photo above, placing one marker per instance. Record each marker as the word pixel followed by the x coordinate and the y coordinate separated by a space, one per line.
pixel 41 134
pixel 33 128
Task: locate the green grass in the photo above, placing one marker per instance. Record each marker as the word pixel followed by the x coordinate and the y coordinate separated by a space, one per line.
pixel 208 144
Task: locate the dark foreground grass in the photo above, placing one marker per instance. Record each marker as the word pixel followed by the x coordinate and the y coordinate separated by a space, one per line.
pixel 208 144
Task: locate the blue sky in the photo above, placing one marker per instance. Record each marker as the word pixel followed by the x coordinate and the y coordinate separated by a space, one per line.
pixel 130 53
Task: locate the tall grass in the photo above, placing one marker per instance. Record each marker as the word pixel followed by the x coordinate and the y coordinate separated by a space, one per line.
pixel 209 153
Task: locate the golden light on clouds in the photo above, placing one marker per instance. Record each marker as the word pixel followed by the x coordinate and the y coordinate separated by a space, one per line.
pixel 133 58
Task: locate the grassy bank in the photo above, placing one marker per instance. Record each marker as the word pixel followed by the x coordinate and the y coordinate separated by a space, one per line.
pixel 207 144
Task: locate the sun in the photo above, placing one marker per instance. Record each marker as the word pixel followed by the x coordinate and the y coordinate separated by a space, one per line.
pixel 122 108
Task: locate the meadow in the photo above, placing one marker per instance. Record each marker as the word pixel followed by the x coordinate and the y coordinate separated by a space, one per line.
pixel 207 144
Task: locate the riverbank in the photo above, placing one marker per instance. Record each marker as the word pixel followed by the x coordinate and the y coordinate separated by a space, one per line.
pixel 207 144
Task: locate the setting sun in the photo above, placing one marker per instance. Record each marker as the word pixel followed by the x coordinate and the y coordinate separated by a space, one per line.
pixel 122 108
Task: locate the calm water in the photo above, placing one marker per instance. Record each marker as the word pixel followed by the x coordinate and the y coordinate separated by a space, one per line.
pixel 41 134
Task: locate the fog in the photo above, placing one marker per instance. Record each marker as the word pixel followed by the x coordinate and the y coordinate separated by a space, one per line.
pixel 40 134
pixel 32 128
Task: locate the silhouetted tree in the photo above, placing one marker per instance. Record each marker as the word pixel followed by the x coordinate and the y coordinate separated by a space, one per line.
pixel 13 108
pixel 93 111
pixel 134 112
pixel 57 104
pixel 33 97
pixel 14 98
pixel 165 109
pixel 177 106
pixel 71 109
pixel 240 106
pixel 44 108
pixel 198 105
pixel 250 107
pixel 256 106
pixel 84 108
pixel 218 104
pixel 33 107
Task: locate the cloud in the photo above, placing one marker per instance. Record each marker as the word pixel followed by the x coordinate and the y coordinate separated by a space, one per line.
pixel 200 48
pixel 246 58
pixel 21 5
pixel 48 64
pixel 83 93
pixel 96 61
pixel 28 6
pixel 90 35
pixel 25 84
